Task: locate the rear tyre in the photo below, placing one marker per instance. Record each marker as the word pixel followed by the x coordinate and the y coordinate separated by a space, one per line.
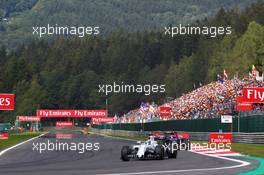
pixel 173 155
pixel 189 143
pixel 173 152
pixel 125 153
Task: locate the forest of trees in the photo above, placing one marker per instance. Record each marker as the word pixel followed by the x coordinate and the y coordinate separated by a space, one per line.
pixel 66 73
pixel 109 15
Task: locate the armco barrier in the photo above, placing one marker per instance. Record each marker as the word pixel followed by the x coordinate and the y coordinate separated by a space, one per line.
pixel 256 138
pixel 251 128
pixel 120 133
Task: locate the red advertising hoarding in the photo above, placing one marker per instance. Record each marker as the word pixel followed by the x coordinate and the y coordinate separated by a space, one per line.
pixel 7 101
pixel 242 106
pixel 4 136
pixel 165 111
pixel 183 136
pixel 72 113
pixel 28 118
pixel 103 120
pixel 224 138
pixel 64 124
pixel 64 136
pixel 253 95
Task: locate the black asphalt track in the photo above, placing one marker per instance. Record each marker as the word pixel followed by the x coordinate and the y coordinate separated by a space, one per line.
pixel 23 160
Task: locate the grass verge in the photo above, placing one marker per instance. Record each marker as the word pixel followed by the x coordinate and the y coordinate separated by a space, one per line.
pixel 249 149
pixel 17 138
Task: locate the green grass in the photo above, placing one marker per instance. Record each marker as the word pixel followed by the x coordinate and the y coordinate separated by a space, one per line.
pixel 17 138
pixel 249 149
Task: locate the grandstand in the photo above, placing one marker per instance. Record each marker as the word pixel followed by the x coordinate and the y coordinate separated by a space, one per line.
pixel 208 101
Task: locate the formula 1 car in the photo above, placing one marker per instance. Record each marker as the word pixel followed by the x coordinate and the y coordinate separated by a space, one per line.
pixel 156 147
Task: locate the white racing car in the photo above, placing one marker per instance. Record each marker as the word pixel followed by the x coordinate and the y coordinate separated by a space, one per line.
pixel 153 148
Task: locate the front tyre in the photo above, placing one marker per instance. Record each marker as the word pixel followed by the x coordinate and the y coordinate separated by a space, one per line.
pixel 125 153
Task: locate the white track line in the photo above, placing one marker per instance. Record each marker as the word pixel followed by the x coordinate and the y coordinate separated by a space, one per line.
pixel 180 171
pixel 5 150
pixel 235 154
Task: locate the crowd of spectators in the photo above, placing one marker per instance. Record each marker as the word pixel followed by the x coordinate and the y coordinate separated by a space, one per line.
pixel 208 101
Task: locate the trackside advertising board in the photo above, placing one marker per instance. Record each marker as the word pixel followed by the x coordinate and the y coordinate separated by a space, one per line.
pixel 253 95
pixel 28 118
pixel 242 106
pixel 226 119
pixel 4 136
pixel 64 136
pixel 64 124
pixel 103 120
pixel 165 111
pixel 183 136
pixel 224 138
pixel 72 113
pixel 7 102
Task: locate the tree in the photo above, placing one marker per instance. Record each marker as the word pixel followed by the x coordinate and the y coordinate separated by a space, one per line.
pixel 179 78
pixel 244 53
pixel 31 99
